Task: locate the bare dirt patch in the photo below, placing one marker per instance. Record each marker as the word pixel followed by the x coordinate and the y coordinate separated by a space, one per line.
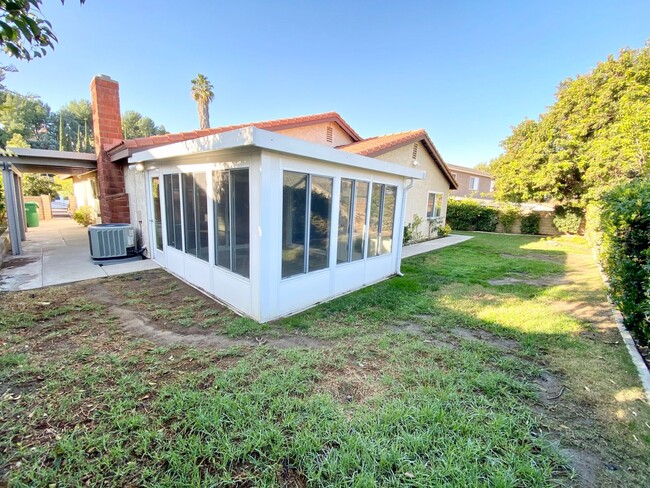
pixel 534 257
pixel 524 279
pixel 137 304
pixel 494 340
pixel 353 383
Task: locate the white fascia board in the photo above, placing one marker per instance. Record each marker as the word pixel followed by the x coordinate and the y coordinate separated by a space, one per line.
pixel 263 139
pixel 50 154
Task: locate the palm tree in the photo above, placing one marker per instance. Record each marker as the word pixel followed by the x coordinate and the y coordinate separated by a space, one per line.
pixel 203 94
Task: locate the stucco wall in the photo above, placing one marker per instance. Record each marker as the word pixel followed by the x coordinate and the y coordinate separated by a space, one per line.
pixel 417 197
pixel 318 133
pixel 83 191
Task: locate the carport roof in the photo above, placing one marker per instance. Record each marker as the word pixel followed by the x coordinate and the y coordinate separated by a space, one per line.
pixel 29 160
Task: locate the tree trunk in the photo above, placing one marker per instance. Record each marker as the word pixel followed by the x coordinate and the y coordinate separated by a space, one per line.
pixel 204 115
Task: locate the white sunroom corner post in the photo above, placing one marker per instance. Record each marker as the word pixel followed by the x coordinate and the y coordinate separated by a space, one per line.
pixel 400 231
pixel 267 233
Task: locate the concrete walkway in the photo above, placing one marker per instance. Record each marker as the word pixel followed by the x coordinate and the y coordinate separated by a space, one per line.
pixel 57 252
pixel 422 247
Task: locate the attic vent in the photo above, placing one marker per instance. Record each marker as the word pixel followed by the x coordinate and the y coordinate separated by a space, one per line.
pixel 415 150
pixel 330 133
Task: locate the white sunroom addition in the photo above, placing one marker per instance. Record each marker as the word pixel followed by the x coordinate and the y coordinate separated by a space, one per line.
pixel 270 224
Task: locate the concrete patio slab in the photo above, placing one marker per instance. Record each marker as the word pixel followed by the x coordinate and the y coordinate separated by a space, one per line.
pixel 422 247
pixel 57 252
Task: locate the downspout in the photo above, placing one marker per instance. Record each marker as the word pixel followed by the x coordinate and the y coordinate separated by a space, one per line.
pixel 400 242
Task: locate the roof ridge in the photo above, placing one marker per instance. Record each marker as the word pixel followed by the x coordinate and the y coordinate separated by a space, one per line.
pixel 262 124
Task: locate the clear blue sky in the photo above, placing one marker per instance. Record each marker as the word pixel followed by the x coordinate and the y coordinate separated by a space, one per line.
pixel 465 71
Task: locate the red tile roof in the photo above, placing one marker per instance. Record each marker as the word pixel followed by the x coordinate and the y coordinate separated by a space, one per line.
pixel 142 143
pixel 375 146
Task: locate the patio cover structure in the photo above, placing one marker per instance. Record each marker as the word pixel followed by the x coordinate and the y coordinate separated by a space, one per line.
pixel 15 162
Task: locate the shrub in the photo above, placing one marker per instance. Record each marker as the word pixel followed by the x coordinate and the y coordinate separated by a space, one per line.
pixel 530 223
pixel 408 235
pixel 412 230
pixel 626 253
pixel 487 219
pixel 567 219
pixel 508 215
pixel 444 231
pixel 85 216
pixel 471 215
pixel 593 229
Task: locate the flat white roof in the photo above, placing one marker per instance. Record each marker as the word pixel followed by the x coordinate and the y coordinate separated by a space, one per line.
pixel 263 139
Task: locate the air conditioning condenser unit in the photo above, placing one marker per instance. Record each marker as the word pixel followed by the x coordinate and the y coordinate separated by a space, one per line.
pixel 110 241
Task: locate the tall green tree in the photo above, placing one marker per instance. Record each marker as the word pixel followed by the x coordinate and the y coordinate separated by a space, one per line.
pixel 202 92
pixel 134 124
pixel 595 136
pixel 24 32
pixel 25 115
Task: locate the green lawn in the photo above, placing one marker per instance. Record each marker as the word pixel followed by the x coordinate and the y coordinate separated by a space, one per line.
pixel 488 363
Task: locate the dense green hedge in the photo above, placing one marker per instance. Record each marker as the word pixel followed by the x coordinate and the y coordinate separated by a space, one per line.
pixel 567 219
pixel 530 223
pixel 625 223
pixel 471 215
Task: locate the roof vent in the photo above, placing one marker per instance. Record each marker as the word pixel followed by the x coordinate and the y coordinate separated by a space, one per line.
pixel 330 133
pixel 415 150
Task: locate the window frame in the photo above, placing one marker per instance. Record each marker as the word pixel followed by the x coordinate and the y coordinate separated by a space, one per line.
pixel 232 224
pixel 353 211
pixel 442 198
pixel 308 223
pixel 478 183
pixel 380 223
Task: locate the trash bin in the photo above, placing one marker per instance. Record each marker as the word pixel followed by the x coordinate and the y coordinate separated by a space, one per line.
pixel 31 212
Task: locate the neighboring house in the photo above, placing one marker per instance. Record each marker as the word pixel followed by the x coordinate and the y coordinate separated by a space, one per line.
pixel 472 183
pixel 86 191
pixel 269 217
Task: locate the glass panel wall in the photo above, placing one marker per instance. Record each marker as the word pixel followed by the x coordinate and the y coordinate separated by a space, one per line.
pixel 232 220
pixel 382 219
pixel 387 220
pixel 240 221
pixel 345 221
pixel 173 211
pixel 294 216
pixel 157 217
pixel 306 216
pixel 221 186
pixel 352 220
pixel 375 215
pixel 360 212
pixel 319 223
pixel 195 215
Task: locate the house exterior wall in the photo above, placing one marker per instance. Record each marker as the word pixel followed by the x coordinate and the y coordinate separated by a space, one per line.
pixel 463 179
pixel 417 197
pixel 317 133
pixel 83 192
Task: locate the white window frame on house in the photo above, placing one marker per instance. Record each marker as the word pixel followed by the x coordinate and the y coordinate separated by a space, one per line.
pixel 436 211
pixel 491 186
pixel 474 187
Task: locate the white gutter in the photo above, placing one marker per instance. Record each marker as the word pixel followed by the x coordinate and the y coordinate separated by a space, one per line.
pixel 254 137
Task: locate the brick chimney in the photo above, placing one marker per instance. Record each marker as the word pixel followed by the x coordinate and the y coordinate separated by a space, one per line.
pixel 107 127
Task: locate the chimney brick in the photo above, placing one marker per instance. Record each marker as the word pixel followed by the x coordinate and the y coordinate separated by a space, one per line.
pixel 107 127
